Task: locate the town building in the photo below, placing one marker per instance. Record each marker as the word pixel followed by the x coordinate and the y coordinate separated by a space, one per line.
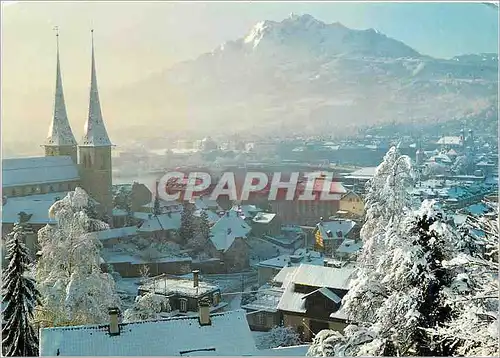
pixel 184 294
pixel 352 203
pixel 312 298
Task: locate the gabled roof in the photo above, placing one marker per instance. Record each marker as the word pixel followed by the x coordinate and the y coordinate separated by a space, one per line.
pixel 325 292
pixel 60 133
pixel 229 227
pixel 38 170
pixel 170 221
pixel 95 134
pixel 228 334
pixel 335 227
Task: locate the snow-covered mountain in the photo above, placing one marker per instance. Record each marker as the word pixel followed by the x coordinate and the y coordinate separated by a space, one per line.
pixel 302 75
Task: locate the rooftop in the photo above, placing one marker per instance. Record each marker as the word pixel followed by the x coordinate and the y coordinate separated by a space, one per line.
pixel 229 227
pixel 228 334
pixel 165 285
pixel 170 221
pixel 38 170
pixel 35 205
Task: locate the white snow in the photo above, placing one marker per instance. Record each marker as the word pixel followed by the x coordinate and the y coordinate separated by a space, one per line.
pixel 228 334
pixel 38 170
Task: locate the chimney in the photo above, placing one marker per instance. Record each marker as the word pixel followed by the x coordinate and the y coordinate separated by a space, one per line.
pixel 325 263
pixel 114 328
pixel 196 278
pixel 204 313
pixel 227 213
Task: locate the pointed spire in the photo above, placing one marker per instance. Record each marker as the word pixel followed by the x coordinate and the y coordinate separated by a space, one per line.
pixel 95 133
pixel 60 133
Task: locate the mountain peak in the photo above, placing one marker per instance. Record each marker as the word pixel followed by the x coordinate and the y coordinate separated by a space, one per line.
pixel 307 33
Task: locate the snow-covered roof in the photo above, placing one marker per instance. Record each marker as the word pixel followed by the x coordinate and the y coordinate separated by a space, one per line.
pixel 248 211
pixel 292 351
pixel 283 260
pixel 38 170
pixel 266 300
pixel 229 227
pixel 332 296
pixel 450 140
pixel 263 218
pixel 36 205
pixel 349 247
pixel 170 221
pixel 118 233
pixel 314 276
pixel 228 334
pixel 363 173
pixel 60 133
pixel 165 285
pixel 95 134
pixel 335 227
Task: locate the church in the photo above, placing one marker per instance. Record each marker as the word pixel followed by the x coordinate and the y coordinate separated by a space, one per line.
pixel 31 185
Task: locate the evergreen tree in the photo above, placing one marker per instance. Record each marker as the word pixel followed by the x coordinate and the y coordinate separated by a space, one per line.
pixel 187 229
pixel 433 311
pixel 204 229
pixel 21 297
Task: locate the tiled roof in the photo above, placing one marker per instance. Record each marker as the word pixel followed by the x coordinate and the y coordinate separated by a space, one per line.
pixel 38 170
pixel 118 233
pixel 228 334
pixel 335 227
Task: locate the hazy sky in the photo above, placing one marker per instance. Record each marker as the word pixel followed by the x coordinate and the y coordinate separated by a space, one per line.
pixel 134 40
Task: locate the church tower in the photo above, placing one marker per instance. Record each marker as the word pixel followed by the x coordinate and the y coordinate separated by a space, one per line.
pixel 95 150
pixel 60 139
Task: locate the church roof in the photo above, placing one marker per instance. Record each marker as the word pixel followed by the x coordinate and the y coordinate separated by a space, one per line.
pixel 95 134
pixel 38 170
pixel 60 133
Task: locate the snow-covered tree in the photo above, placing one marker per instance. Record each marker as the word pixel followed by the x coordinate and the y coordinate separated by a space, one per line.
pixel 73 287
pixel 20 297
pixel 148 306
pixel 474 329
pixel 123 200
pixel 281 336
pixel 409 295
pixel 387 201
pixel 187 230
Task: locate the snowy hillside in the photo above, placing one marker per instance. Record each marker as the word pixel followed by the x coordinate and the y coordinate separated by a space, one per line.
pixel 281 75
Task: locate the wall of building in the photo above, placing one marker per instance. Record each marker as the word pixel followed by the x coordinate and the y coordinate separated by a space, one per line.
pixel 266 274
pixel 299 323
pixel 96 176
pixel 352 204
pixel 236 258
pixel 263 321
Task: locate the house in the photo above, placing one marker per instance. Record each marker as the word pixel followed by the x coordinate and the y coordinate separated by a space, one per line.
pixel 162 226
pixel 262 308
pixel 312 298
pixel 352 203
pixel 265 224
pixel 219 334
pixel 246 211
pixel 184 294
pixel 268 269
pixel 348 250
pixel 211 215
pixel 228 241
pixel 329 235
pixel 290 237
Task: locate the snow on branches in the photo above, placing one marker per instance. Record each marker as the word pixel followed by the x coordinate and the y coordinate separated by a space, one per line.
pixel 19 297
pixel 148 306
pixel 73 287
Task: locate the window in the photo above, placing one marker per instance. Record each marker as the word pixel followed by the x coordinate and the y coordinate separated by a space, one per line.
pixel 183 305
pixel 261 319
pixel 216 298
